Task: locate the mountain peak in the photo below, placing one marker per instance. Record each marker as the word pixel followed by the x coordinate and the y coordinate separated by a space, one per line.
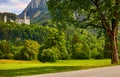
pixel 37 10
pixel 36 3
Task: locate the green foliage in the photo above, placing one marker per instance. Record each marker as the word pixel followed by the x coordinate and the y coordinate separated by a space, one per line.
pixel 49 55
pixel 65 10
pixel 86 13
pixel 81 50
pixel 30 50
pixel 61 45
pixel 4 46
pixel 82 43
pixel 57 39
pixel 8 56
pixel 57 51
pixel 5 52
pixel 77 51
pixel 96 54
pixel 16 50
pixel 1 55
pixel 9 16
pixel 97 48
pixel 52 38
pixel 71 42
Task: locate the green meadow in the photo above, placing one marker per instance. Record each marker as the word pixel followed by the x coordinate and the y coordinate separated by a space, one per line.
pixel 13 68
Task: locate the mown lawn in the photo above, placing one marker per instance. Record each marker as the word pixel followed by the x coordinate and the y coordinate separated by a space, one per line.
pixel 12 68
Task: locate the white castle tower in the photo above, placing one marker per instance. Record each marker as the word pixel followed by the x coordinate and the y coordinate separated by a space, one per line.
pixel 23 19
pixel 26 19
pixel 5 19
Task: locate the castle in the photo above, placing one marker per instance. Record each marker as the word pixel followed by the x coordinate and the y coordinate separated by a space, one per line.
pixel 20 20
pixel 24 19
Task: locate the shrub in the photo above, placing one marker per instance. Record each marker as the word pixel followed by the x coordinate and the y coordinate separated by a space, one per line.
pixel 4 47
pixel 48 55
pixel 1 55
pixel 80 51
pixel 8 56
pixel 56 50
pixel 30 50
pixel 83 55
pixel 17 57
pixel 99 56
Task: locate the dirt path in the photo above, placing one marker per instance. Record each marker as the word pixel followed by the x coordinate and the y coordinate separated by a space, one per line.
pixel 113 71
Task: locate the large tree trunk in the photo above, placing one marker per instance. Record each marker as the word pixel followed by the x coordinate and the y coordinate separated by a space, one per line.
pixel 114 47
pixel 113 35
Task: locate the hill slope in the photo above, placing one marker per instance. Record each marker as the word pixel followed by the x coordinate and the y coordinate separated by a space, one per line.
pixel 37 10
pixel 9 16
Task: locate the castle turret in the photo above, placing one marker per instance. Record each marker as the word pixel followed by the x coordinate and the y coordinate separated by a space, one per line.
pixel 5 18
pixel 25 17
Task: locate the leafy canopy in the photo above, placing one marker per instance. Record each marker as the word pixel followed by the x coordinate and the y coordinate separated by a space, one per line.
pixel 91 11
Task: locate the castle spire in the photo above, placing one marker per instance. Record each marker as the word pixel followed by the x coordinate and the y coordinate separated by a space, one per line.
pixel 5 18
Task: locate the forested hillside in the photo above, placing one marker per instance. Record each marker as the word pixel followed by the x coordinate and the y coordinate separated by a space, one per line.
pixel 37 10
pixel 25 42
pixel 9 16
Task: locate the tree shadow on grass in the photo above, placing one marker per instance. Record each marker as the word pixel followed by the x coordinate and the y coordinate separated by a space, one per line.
pixel 39 70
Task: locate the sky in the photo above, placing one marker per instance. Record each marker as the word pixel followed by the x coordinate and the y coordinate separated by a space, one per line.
pixel 13 6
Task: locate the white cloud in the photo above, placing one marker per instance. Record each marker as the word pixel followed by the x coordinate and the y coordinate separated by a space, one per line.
pixel 15 6
pixel 14 1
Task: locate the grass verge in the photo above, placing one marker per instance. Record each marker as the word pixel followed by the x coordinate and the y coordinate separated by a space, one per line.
pixel 12 68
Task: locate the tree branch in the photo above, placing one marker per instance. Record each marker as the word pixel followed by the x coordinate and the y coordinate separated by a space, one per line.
pixel 93 25
pixel 105 24
pixel 85 19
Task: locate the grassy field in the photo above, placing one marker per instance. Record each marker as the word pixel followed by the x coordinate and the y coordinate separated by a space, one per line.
pixel 18 68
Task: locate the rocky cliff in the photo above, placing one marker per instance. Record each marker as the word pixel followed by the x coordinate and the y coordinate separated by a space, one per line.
pixel 37 11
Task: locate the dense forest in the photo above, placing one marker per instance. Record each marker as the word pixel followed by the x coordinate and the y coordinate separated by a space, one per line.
pixel 51 42
pixel 10 16
pixel 104 14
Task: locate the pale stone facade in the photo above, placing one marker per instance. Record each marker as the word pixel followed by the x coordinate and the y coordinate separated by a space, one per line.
pixel 21 20
pixel 5 18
